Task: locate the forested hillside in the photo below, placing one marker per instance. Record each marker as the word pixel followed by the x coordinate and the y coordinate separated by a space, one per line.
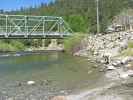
pixel 81 14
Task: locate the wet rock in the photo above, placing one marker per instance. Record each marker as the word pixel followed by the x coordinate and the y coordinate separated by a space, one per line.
pixel 18 84
pixel 59 98
pixel 124 45
pixel 124 75
pixel 130 73
pixel 89 72
pixel 30 82
pixel 113 75
pixel 45 82
pixel 102 61
pixel 128 66
pixel 108 97
pixel 103 70
pixel 10 98
pixel 114 64
pixel 117 63
pixel 127 59
pixel 110 67
pixel 106 57
pixel 81 53
pixel 62 91
pixel 17 55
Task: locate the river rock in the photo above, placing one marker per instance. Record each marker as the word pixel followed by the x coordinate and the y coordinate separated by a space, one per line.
pixel 130 73
pixel 128 66
pixel 124 75
pixel 10 99
pixel 124 45
pixel 127 59
pixel 108 97
pixel 110 67
pixel 30 82
pixel 59 98
pixel 102 61
pixel 17 55
pixel 117 63
pixel 114 64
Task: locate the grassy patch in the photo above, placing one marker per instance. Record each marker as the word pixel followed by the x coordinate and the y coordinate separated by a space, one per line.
pixel 71 42
pixel 129 50
pixel 130 44
pixel 17 45
pixel 12 46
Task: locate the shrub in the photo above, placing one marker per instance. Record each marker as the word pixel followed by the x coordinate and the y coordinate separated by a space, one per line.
pixel 72 41
pixel 17 45
pixel 130 44
pixel 129 50
pixel 11 46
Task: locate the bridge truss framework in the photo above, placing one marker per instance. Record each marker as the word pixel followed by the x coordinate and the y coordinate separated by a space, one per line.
pixel 21 26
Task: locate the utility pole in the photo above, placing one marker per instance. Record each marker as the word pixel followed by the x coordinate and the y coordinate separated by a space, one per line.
pixel 98 25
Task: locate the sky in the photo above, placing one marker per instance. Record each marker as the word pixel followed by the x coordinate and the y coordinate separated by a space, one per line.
pixel 8 5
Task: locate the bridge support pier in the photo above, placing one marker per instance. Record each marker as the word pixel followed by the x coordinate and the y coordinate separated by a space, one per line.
pixel 131 27
pixel 53 45
pixel 35 43
pixel 43 43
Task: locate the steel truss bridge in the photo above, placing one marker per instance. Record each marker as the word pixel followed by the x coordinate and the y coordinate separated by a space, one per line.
pixel 21 26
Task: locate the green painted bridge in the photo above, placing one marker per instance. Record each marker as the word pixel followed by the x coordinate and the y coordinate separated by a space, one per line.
pixel 28 27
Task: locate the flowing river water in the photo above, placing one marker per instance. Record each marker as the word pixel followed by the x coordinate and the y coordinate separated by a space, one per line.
pixel 54 74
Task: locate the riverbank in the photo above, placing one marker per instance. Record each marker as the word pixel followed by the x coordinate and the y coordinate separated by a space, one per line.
pixel 115 52
pixel 114 49
pixel 117 65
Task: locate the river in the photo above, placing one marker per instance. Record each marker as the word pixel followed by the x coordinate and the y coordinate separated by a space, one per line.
pixel 54 73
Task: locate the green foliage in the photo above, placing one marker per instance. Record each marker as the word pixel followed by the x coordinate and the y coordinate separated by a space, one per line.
pixel 11 46
pixel 18 45
pixel 75 39
pixel 130 44
pixel 5 46
pixel 81 14
pixel 77 23
pixel 129 50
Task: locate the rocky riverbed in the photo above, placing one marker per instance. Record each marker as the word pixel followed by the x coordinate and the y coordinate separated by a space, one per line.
pixel 106 50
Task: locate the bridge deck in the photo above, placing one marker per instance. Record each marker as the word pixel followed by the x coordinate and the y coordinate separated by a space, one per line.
pixel 33 35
